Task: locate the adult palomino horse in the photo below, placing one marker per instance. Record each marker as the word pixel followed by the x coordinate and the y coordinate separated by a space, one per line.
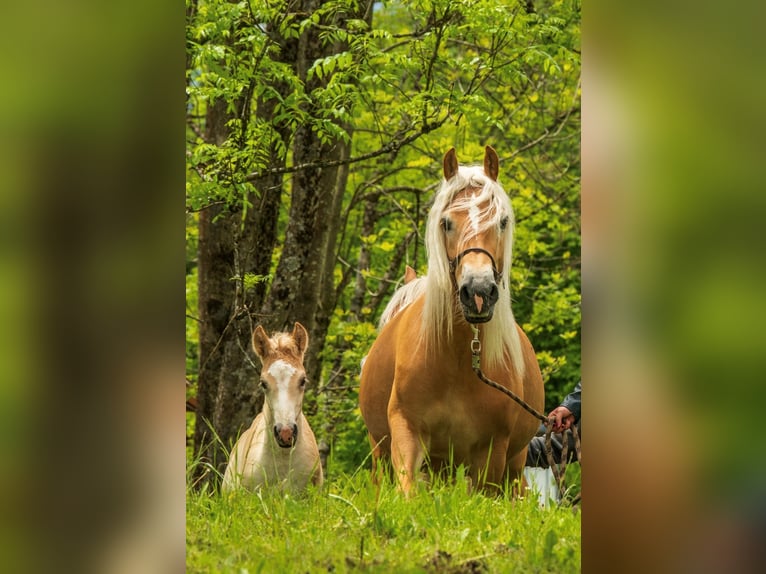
pixel 279 448
pixel 418 394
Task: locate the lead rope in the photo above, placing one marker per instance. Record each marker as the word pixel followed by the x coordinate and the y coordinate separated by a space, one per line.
pixel 476 364
pixel 558 470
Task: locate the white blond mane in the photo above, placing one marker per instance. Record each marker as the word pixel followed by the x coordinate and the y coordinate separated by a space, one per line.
pixel 500 337
pixel 402 297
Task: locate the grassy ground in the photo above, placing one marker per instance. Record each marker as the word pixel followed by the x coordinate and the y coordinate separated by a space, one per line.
pixel 352 526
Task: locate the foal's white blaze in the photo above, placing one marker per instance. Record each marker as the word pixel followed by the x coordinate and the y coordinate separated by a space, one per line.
pixel 283 403
pixel 281 370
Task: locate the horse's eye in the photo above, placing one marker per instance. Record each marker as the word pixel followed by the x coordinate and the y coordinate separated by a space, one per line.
pixel 446 224
pixel 503 223
pixel 264 385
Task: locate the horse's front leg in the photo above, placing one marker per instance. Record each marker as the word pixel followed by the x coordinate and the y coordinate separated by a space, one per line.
pixel 380 450
pixel 488 467
pixel 515 473
pixel 407 451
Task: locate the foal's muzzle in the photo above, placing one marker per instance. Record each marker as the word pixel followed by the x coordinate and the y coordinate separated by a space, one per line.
pixel 286 435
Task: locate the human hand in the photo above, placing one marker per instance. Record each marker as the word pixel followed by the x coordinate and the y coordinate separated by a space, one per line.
pixel 562 419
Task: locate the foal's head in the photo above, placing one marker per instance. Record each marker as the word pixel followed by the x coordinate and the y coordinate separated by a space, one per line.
pixel 283 379
pixel 476 226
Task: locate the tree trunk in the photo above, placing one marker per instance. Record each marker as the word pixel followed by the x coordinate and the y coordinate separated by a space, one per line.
pixel 369 219
pixel 216 300
pixel 303 287
pixel 231 246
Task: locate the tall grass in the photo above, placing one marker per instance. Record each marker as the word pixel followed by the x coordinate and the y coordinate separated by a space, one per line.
pixel 351 525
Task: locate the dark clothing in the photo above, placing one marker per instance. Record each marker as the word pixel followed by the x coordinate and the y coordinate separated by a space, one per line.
pixel 573 402
pixel 536 452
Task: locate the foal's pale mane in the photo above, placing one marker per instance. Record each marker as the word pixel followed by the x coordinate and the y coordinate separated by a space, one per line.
pixel 500 338
pixel 285 347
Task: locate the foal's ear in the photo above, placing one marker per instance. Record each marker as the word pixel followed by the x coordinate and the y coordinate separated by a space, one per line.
pixel 491 163
pixel 450 164
pixel 301 337
pixel 261 342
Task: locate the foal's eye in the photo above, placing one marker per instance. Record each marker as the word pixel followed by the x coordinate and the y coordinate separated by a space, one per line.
pixel 503 223
pixel 446 224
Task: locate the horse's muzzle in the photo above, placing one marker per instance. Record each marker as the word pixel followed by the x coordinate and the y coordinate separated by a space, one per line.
pixel 286 435
pixel 478 297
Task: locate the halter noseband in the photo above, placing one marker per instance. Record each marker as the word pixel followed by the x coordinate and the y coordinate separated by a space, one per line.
pixel 453 263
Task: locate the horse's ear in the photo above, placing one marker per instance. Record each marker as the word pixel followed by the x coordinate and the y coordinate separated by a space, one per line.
pixel 409 274
pixel 450 164
pixel 261 342
pixel 491 163
pixel 301 337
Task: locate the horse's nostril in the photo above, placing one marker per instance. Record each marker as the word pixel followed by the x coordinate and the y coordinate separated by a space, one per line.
pixel 286 435
pixel 479 295
pixel 465 296
pixel 493 294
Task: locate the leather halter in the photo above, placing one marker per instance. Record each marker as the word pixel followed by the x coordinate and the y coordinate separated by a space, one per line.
pixel 453 263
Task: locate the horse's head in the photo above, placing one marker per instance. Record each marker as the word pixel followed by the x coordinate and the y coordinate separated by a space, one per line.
pixel 283 379
pixel 476 223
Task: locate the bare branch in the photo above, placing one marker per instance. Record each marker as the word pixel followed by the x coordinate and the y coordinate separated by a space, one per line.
pixel 561 122
pixel 390 147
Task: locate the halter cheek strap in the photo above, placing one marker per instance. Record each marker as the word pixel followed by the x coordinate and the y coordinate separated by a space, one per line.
pixel 453 263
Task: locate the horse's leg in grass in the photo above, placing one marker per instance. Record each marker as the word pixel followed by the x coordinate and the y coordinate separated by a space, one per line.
pixel 515 473
pixel 376 463
pixel 490 467
pixel 407 452
pixel 381 452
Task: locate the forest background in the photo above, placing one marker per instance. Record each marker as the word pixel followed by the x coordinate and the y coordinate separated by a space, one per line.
pixel 315 132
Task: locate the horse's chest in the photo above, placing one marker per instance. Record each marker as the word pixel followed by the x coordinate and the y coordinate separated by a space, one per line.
pixel 273 463
pixel 275 466
pixel 459 416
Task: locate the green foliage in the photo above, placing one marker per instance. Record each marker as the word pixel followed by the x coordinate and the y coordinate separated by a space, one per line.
pixel 347 343
pixel 251 280
pixel 351 525
pixel 425 76
pixel 546 282
pixel 192 329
